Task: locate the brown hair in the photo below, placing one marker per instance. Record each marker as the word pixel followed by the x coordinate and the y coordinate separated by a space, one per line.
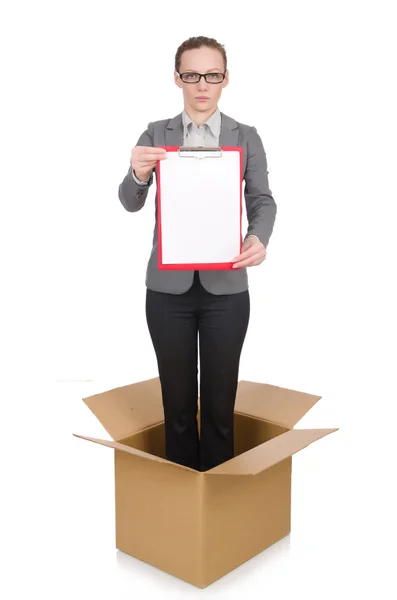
pixel 194 43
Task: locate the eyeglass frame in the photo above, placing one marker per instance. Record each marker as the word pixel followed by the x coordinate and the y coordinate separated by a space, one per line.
pixel 202 75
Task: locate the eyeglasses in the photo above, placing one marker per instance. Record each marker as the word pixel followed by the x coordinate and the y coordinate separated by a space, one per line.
pixel 196 77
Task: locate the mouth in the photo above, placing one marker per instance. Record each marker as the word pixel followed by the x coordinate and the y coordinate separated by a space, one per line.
pixel 202 98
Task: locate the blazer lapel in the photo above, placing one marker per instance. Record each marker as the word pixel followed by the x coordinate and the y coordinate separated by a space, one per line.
pixel 229 131
pixel 173 133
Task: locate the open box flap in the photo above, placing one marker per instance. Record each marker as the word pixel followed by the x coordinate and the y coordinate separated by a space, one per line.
pixel 269 453
pixel 277 404
pixel 129 450
pixel 125 410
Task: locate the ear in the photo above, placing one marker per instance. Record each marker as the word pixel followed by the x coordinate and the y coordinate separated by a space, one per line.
pixel 226 80
pixel 177 80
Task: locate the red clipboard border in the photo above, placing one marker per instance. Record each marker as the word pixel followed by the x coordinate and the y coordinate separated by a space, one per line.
pixel 195 266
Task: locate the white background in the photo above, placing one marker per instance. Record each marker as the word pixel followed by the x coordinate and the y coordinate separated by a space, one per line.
pixel 80 82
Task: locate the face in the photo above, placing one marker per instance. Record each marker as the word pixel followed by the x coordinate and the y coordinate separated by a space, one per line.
pixel 202 96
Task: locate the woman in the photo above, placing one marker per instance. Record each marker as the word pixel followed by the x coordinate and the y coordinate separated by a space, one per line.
pixel 214 306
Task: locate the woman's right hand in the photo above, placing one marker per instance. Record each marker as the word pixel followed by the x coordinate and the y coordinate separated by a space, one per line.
pixel 144 159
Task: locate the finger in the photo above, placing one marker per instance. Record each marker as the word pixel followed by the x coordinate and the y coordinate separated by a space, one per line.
pixel 150 150
pixel 143 164
pixel 246 254
pixel 243 263
pixel 150 153
pixel 250 262
pixel 149 157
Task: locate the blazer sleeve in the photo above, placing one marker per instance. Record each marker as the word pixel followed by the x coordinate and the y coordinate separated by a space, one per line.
pixel 259 201
pixel 131 194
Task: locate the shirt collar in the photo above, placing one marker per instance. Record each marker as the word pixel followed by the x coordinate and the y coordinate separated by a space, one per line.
pixel 213 122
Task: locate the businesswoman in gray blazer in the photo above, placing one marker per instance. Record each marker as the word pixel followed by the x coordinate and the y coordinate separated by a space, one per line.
pixel 209 306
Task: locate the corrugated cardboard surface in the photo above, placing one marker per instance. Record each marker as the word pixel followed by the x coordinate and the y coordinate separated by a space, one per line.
pixel 243 516
pixel 128 409
pixel 159 515
pixel 273 403
pixel 270 453
pixel 199 526
pixel 193 525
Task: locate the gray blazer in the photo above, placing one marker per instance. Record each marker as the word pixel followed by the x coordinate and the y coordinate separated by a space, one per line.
pixel 260 205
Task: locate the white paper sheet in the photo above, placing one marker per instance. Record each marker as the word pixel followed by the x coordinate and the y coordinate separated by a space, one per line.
pixel 200 207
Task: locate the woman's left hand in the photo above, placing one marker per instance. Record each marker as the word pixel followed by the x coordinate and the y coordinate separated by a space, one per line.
pixel 253 253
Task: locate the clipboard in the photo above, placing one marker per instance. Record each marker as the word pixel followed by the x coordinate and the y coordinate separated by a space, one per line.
pixel 199 207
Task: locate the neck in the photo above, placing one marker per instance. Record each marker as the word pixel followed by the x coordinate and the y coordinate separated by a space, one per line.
pixel 197 117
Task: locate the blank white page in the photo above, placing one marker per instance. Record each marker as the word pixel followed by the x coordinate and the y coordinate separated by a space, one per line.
pixel 200 207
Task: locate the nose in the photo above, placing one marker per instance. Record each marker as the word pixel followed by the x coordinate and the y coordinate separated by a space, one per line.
pixel 202 85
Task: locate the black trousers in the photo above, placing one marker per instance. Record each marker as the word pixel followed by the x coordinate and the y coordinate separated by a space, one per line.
pixel 175 323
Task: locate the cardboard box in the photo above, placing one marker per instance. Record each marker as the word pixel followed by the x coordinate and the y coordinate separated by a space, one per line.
pixel 195 525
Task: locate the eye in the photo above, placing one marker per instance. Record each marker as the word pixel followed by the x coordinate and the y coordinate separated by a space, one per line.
pixel 214 77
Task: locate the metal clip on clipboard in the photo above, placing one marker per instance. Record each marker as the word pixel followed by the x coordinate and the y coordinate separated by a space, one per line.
pixel 194 151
